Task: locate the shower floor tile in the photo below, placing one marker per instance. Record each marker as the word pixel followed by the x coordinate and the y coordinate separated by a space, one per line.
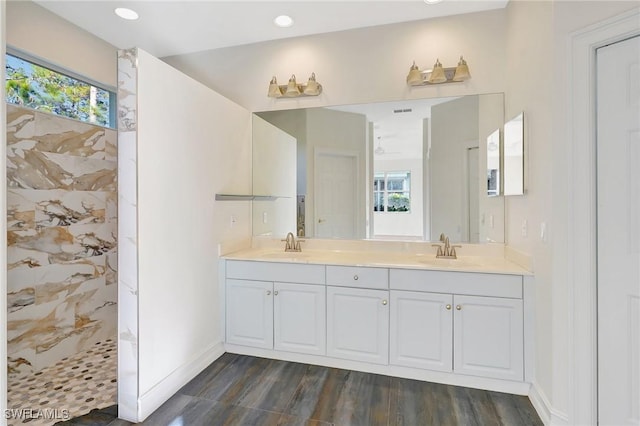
pixel 72 387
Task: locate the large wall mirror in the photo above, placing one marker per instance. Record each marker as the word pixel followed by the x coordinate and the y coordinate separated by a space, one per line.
pixel 405 170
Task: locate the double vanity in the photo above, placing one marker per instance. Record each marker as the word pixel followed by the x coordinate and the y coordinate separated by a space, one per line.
pixel 385 309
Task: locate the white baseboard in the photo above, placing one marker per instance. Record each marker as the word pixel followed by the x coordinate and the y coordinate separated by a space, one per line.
pixel 549 415
pixel 167 387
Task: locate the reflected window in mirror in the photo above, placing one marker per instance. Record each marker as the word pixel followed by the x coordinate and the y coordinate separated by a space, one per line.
pixel 392 192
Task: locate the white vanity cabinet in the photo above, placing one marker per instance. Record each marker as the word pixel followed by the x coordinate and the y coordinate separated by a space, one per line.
pixel 269 314
pixel 421 330
pixel 488 339
pixel 250 313
pixel 358 313
pixel 358 324
pixel 457 322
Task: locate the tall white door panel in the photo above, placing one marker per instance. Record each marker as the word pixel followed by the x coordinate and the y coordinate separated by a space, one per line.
pixel 618 170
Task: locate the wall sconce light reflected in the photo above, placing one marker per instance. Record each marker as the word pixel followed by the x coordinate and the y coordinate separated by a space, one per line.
pixel 438 74
pixel 292 89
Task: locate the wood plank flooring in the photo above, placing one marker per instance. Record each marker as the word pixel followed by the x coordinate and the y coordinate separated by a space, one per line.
pixel 244 390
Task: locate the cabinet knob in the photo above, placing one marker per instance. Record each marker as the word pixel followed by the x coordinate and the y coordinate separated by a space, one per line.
pixel 275 292
pixel 268 292
pixel 355 277
pixel 384 302
pixel 458 307
pixel 448 307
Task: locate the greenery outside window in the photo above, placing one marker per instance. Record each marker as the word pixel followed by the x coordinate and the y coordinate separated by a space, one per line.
pixel 33 85
pixel 392 192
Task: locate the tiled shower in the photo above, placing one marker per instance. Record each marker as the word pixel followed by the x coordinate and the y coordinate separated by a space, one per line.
pixel 62 260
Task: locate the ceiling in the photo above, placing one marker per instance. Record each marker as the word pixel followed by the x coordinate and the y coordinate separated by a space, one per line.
pixel 167 28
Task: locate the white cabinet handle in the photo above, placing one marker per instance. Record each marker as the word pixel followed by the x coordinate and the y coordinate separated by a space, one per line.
pixel 355 277
pixel 448 307
pixel 458 307
pixel 275 292
pixel 268 292
pixel 384 302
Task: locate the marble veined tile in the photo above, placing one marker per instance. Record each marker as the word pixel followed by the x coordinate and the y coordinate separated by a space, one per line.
pixel 20 124
pixel 21 211
pixel 63 243
pixel 111 274
pixel 58 207
pixel 41 170
pixel 40 131
pixel 127 89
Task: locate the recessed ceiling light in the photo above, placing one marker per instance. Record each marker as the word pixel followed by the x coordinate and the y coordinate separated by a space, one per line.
pixel 283 21
pixel 128 14
pixel 432 1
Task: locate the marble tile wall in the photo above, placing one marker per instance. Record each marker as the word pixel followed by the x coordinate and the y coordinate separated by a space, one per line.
pixel 128 234
pixel 61 237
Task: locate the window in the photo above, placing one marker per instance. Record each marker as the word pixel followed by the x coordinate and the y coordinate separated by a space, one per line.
pixel 35 86
pixel 392 192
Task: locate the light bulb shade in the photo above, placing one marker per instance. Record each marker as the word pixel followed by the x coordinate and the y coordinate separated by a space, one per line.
pixel 437 74
pixel 313 88
pixel 414 78
pixel 292 88
pixel 462 71
pixel 274 89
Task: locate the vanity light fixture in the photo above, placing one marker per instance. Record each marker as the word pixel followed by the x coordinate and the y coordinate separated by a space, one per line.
pixel 292 89
pixel 432 1
pixel 438 74
pixel 125 13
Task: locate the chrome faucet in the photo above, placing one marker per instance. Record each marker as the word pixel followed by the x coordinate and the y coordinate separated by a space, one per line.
pixel 291 244
pixel 447 251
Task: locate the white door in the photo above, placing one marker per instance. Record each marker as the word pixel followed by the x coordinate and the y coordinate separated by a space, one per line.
pixel 299 318
pixel 358 324
pixel 618 170
pixel 250 313
pixel 336 192
pixel 421 327
pixel 488 337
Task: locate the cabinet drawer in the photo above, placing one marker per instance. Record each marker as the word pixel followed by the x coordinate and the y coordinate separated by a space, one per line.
pixel 497 285
pixel 355 276
pixel 274 271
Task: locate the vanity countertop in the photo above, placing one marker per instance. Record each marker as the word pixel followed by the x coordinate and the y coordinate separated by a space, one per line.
pixel 383 259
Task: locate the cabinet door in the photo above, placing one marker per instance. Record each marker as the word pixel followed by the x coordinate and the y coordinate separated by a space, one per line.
pixel 488 339
pixel 299 320
pixel 421 330
pixel 250 313
pixel 358 324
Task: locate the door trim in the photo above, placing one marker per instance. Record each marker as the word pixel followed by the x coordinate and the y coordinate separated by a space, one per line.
pixel 581 212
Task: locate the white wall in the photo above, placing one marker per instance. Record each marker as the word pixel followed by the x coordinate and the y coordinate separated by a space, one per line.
pixel 189 147
pixel 454 127
pixel 360 66
pixel 402 223
pixel 538 60
pixel 491 209
pixel 274 174
pixel 37 31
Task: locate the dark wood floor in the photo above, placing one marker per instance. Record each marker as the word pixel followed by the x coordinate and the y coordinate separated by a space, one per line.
pixel 244 390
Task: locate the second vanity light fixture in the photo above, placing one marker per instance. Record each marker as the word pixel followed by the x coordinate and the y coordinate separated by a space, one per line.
pixel 438 74
pixel 293 89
